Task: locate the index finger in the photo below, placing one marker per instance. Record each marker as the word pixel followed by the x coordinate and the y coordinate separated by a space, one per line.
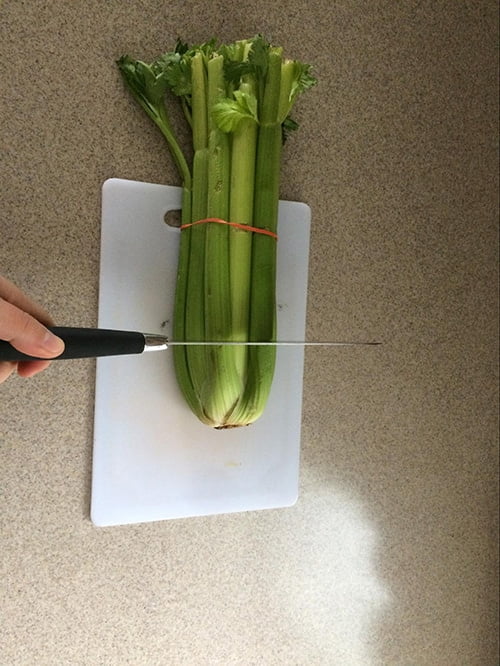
pixel 26 333
pixel 13 295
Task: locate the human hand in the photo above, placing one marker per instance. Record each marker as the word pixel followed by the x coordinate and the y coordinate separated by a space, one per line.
pixel 23 324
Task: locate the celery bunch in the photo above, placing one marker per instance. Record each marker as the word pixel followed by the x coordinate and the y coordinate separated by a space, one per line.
pixel 237 100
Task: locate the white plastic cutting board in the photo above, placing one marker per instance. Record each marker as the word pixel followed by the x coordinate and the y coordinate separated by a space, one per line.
pixel 153 460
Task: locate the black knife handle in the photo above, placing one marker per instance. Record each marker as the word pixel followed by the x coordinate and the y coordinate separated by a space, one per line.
pixel 84 343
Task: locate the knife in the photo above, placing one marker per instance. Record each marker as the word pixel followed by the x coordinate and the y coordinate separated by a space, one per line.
pixel 94 342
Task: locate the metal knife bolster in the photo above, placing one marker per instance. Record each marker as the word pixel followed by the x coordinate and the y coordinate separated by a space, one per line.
pixel 154 342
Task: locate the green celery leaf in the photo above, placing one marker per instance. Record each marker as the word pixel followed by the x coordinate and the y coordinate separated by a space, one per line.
pixel 256 64
pixel 247 103
pixel 259 55
pixel 181 47
pixel 303 79
pixel 228 113
pixel 147 84
pixel 287 127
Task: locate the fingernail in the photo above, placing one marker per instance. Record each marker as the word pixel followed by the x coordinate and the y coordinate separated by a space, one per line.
pixel 52 343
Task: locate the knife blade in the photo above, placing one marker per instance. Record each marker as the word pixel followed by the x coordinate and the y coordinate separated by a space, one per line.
pixel 97 342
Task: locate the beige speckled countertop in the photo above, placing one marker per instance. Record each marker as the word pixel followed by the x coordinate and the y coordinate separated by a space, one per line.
pixel 390 555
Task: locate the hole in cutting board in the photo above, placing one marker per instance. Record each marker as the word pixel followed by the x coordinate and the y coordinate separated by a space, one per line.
pixel 172 218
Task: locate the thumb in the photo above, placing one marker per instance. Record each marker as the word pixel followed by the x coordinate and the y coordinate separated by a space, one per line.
pixel 26 333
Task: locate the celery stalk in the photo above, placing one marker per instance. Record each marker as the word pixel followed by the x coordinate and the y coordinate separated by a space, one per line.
pixel 244 147
pixel 236 99
pixel 191 302
pixel 262 311
pixel 223 382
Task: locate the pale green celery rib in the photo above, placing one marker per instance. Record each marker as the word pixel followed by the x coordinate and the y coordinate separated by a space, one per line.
pixel 181 364
pixel 194 304
pixel 243 152
pixel 262 321
pixel 223 383
pixel 262 325
pixel 287 79
pixel 189 305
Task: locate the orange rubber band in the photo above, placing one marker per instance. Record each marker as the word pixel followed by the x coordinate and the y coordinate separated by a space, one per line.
pixel 236 225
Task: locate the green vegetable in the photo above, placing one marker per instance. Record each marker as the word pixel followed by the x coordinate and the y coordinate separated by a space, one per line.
pixel 237 99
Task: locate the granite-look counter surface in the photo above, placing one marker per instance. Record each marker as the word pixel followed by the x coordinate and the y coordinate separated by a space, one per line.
pixel 390 555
